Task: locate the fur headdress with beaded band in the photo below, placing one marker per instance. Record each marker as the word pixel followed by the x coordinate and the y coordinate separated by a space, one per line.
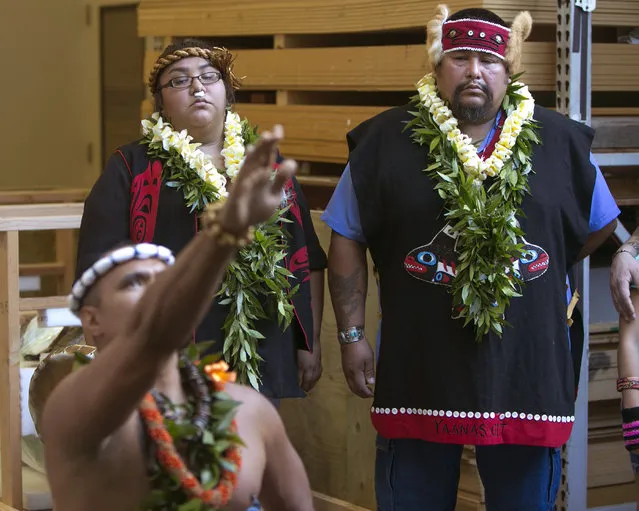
pixel 221 58
pixel 467 33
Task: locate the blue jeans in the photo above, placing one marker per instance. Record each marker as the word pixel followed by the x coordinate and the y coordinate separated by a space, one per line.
pixel 414 475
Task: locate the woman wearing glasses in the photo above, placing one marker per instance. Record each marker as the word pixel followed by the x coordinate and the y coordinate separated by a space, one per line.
pixel 153 190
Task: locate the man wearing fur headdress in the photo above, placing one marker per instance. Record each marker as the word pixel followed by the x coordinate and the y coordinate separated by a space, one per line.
pixel 475 205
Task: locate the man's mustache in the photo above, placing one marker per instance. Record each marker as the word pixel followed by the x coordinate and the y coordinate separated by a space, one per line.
pixel 466 85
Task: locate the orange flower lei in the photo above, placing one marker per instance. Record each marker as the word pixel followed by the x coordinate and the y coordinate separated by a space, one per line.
pixel 171 461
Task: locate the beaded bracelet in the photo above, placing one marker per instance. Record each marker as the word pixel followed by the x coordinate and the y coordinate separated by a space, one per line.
pixel 626 383
pixel 630 428
pixel 621 250
pixel 211 226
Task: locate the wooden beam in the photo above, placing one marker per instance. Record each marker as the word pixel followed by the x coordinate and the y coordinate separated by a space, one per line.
pixel 312 132
pixel 325 503
pixel 325 181
pixel 40 217
pixel 65 251
pixel 398 67
pixel 264 17
pixel 615 67
pixel 41 269
pixel 268 17
pixel 367 68
pixel 43 303
pixel 8 197
pixel 10 426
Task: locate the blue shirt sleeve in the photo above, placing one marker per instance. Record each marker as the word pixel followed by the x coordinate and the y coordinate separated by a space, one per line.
pixel 342 212
pixel 603 208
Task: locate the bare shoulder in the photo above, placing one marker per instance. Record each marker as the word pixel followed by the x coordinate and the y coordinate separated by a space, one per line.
pixel 251 401
pixel 255 412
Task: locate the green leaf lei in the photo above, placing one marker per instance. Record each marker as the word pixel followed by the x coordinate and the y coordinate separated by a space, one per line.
pixel 484 215
pixel 205 454
pixel 257 284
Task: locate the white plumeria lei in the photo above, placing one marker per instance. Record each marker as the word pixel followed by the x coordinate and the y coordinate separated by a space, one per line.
pixel 233 150
pixel 463 145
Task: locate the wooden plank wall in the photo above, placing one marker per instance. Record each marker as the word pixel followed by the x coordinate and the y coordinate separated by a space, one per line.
pixel 323 67
pixel 331 428
pixel 257 17
pixel 317 132
pixel 320 67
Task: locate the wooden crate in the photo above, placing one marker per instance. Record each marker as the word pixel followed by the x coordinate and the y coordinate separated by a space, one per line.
pixel 263 17
pixel 322 67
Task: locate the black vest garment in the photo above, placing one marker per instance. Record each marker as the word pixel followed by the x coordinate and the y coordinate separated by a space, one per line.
pixel 434 382
pixel 129 201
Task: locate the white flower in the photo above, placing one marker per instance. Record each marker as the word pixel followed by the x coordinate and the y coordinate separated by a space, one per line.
pixel 517 115
pixel 233 152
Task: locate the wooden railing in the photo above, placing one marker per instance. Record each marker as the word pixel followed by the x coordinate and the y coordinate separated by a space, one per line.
pixel 62 268
pixel 13 220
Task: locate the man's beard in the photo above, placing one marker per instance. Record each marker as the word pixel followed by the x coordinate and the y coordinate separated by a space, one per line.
pixel 472 114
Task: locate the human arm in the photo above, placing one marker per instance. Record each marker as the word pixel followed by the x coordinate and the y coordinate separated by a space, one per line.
pixel 628 373
pixel 285 485
pixel 309 363
pixel 348 282
pixel 624 270
pixel 348 285
pixel 90 404
pixel 596 239
pixel 628 353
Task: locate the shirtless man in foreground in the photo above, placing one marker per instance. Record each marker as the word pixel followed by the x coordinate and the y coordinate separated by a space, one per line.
pixel 139 314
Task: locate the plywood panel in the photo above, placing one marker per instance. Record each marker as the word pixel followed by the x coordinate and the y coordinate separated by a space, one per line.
pixel 313 132
pixel 331 428
pixel 611 495
pixel 259 17
pixel 608 463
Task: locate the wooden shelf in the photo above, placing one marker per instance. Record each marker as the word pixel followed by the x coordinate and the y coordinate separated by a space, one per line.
pixel 266 17
pixel 41 304
pixel 31 196
pixel 40 217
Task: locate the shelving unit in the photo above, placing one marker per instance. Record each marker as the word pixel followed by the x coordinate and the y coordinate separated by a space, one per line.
pixel 574 96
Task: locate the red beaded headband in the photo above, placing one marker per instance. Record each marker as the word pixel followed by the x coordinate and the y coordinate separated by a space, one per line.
pixel 445 36
pixel 475 35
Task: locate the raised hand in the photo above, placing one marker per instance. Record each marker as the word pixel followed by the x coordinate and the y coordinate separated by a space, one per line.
pixel 256 192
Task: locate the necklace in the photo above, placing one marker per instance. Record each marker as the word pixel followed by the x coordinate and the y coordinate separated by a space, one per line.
pixel 205 431
pixel 483 212
pixel 256 285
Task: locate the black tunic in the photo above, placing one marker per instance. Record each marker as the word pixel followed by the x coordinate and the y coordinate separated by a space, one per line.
pixel 434 382
pixel 129 202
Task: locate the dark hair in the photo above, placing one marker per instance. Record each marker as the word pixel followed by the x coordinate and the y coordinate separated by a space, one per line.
pixel 475 13
pixel 222 64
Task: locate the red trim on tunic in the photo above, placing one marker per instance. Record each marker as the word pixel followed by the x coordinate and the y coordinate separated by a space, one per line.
pixel 482 431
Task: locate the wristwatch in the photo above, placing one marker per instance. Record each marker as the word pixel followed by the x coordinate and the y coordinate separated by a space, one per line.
pixel 350 335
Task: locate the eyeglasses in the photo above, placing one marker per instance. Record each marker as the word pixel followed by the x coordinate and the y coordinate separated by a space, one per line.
pixel 184 82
